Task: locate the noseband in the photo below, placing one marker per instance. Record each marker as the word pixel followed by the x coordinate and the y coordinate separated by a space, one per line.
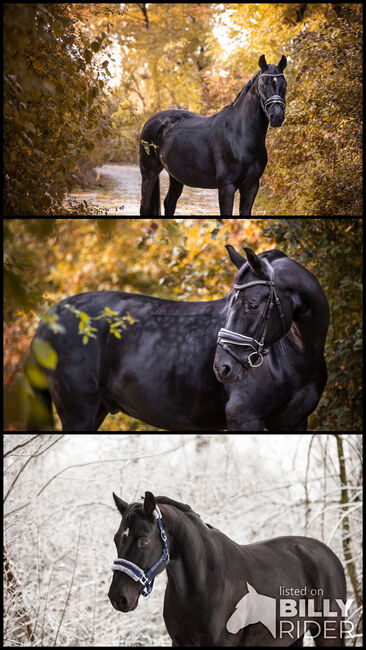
pixel 274 99
pixel 234 338
pixel 138 574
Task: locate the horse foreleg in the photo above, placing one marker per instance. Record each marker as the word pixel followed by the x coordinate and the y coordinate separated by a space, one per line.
pixel 247 197
pixel 301 426
pixel 170 201
pixel 226 200
pixel 240 422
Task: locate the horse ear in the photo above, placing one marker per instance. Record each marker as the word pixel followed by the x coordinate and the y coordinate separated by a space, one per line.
pixel 121 505
pixel 149 503
pixel 235 257
pixel 254 261
pixel 251 589
pixel 262 63
pixel 283 63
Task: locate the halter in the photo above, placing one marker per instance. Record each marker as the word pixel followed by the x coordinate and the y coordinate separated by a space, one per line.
pixel 274 99
pixel 138 574
pixel 234 338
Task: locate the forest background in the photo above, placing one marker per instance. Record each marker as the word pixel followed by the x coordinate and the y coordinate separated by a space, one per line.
pixel 47 260
pixel 81 79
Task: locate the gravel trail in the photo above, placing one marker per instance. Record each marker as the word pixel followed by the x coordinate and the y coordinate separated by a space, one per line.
pixel 122 196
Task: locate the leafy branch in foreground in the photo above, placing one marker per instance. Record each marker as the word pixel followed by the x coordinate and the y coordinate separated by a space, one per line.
pixel 116 322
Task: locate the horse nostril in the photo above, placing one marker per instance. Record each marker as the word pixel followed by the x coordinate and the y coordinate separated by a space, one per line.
pixel 225 370
pixel 123 602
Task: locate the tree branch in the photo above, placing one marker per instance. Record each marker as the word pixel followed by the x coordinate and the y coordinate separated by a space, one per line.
pixel 23 444
pixel 346 523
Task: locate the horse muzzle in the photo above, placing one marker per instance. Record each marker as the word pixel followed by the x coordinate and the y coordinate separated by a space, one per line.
pixel 126 602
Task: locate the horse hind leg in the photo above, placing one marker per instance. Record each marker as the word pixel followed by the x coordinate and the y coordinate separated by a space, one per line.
pixel 174 192
pixel 150 194
pixel 79 406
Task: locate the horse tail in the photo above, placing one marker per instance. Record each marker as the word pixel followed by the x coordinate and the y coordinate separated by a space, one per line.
pixel 155 198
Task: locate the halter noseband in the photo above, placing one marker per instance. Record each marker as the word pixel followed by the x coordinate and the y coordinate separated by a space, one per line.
pixel 234 338
pixel 274 99
pixel 138 574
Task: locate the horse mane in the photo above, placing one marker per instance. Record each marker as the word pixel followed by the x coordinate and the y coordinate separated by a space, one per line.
pixel 274 254
pixel 181 506
pixel 184 507
pixel 244 90
pixel 136 508
pixel 137 505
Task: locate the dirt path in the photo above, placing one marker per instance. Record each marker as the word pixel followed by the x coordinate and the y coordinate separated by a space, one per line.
pixel 122 194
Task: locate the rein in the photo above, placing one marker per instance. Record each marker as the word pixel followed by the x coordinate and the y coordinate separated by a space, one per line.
pixel 135 572
pixel 226 336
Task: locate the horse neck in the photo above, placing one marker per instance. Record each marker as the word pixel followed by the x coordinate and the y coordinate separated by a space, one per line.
pixel 191 552
pixel 311 327
pixel 247 115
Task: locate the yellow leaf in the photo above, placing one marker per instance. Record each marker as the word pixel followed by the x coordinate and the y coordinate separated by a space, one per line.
pixel 44 353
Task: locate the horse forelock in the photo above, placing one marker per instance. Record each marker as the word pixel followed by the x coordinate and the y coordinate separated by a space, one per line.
pixel 134 511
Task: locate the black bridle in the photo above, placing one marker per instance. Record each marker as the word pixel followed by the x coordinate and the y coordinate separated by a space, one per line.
pixel 226 336
pixel 274 99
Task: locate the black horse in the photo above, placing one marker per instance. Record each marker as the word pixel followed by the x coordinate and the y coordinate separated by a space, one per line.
pixel 220 593
pixel 269 373
pixel 225 151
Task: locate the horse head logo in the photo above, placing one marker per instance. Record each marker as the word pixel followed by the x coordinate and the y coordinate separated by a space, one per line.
pixel 253 608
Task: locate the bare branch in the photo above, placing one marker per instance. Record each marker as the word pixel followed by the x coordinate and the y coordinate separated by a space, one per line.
pixel 23 444
pixel 345 521
pixel 70 587
pixel 114 460
pixel 38 453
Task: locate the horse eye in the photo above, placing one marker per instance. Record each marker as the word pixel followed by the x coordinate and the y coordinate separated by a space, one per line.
pixel 253 307
pixel 142 542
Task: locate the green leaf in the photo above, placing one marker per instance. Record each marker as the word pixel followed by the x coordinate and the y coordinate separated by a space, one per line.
pixel 44 353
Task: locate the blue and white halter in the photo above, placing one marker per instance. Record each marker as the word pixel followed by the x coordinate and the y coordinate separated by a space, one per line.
pixel 138 574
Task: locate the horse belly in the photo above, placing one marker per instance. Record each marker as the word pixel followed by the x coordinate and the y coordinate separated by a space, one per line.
pixel 163 380
pixel 191 164
pixel 152 396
